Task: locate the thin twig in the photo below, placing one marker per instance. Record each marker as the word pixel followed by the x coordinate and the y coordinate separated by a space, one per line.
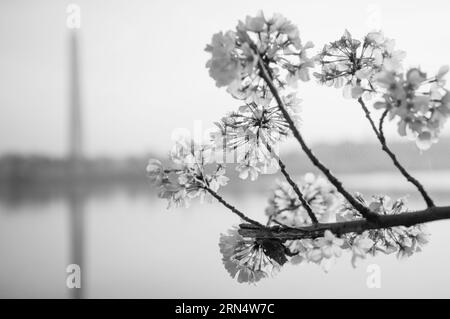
pixel 234 209
pixel 297 191
pixel 380 125
pixel 380 135
pixel 364 211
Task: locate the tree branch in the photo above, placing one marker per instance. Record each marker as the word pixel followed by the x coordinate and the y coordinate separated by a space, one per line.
pixel 380 135
pixel 234 209
pixel 380 125
pixel 364 211
pixel 300 195
pixel 355 226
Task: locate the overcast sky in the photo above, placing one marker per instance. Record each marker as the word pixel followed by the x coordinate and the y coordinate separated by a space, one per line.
pixel 143 67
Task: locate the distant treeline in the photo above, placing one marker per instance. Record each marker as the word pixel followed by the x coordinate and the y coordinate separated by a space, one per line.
pixel 25 179
pixel 341 158
pixel 25 169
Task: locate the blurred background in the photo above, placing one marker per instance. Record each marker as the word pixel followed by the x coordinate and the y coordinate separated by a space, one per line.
pixel 83 106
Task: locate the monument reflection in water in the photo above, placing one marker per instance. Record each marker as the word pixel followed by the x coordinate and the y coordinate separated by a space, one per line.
pixel 75 191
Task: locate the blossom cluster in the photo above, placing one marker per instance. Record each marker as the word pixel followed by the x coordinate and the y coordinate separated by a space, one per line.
pixel 325 250
pixel 420 103
pixel 285 207
pixel 404 241
pixel 250 260
pixel 192 172
pixel 352 64
pixel 275 41
pixel 373 68
pixel 253 133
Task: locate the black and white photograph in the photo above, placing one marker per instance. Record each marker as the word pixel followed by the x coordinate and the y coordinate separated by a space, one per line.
pixel 224 150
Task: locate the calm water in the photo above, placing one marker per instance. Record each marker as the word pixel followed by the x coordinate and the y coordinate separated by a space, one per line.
pixel 131 246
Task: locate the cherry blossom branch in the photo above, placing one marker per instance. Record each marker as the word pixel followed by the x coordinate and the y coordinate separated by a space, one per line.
pixel 354 226
pixel 364 211
pixel 380 125
pixel 380 135
pixel 234 209
pixel 300 195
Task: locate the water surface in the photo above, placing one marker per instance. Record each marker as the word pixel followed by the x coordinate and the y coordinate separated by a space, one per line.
pixel 132 247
